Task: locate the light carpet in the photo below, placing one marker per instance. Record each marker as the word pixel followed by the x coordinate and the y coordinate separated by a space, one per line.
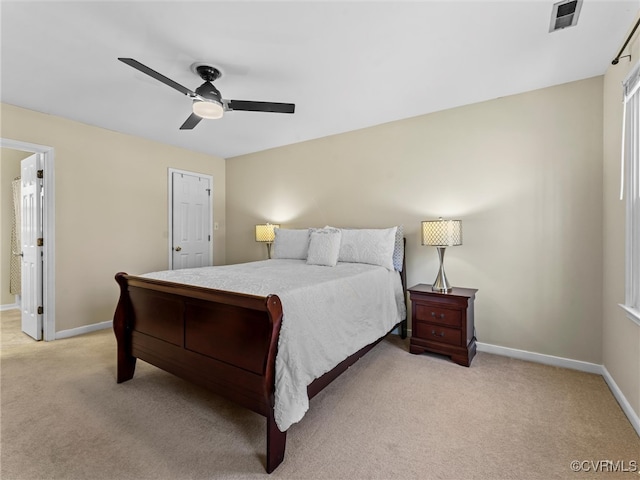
pixel 392 415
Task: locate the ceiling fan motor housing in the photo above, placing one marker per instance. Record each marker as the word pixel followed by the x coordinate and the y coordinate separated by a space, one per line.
pixel 208 73
pixel 208 91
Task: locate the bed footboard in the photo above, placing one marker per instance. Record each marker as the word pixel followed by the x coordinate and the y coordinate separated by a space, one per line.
pixel 224 341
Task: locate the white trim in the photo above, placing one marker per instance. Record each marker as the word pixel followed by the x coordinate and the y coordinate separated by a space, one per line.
pixel 632 314
pixel 170 173
pixel 9 306
pixel 73 332
pixel 573 365
pixel 540 358
pixel 48 230
pixel 622 149
pixel 622 400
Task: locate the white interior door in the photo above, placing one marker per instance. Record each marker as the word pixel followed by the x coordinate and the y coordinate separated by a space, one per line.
pixel 31 240
pixel 191 220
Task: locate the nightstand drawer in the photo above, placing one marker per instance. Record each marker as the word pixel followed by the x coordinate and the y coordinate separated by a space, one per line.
pixel 443 316
pixel 436 333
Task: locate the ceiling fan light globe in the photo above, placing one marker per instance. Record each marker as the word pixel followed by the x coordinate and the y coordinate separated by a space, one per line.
pixel 208 109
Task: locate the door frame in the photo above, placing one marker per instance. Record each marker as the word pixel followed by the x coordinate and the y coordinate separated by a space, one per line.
pixel 170 173
pixel 48 232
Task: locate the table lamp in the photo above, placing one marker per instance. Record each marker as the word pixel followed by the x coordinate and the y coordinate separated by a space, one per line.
pixel 265 233
pixel 441 234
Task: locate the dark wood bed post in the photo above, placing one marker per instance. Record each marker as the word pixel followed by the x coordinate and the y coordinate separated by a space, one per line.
pixel 126 362
pixel 276 443
pixel 276 440
pixel 403 280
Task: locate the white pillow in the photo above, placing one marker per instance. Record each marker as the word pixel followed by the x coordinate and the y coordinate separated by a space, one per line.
pixel 324 247
pixel 398 249
pixel 368 245
pixel 291 243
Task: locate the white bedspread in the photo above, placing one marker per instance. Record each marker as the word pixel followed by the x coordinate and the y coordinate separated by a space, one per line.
pixel 329 313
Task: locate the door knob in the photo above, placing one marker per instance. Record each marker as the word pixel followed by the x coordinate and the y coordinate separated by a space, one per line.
pixel 178 249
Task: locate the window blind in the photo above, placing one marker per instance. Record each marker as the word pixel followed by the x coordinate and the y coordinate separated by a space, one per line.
pixel 630 167
pixel 631 101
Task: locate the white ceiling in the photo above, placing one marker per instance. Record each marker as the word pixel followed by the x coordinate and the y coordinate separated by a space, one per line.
pixel 346 65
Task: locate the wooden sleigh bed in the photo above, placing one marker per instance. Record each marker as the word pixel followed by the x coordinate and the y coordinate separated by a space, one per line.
pixel 224 341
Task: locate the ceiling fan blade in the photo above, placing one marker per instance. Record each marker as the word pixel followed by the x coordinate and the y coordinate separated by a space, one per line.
pixel 158 76
pixel 191 122
pixel 261 106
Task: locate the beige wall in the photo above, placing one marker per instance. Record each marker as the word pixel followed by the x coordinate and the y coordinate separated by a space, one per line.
pixel 9 169
pixel 620 336
pixel 110 207
pixel 523 173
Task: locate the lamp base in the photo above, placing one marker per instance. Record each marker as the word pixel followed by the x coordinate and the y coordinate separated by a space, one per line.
pixel 441 284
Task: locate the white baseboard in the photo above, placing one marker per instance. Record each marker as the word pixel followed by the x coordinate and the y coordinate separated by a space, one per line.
pixel 540 358
pixel 622 400
pixel 572 364
pixel 72 332
pixel 11 306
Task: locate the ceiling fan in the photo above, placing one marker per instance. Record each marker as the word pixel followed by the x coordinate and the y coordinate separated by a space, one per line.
pixel 207 100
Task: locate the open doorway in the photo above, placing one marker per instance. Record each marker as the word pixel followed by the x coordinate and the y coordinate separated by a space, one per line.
pixel 12 150
pixel 10 261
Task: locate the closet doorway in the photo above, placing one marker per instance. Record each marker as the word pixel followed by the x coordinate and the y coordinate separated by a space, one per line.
pixel 41 288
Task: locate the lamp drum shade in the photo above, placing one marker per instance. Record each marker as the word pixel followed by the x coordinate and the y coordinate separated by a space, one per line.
pixel 265 232
pixel 442 233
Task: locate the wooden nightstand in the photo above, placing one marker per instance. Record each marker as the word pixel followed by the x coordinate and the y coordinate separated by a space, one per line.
pixel 443 323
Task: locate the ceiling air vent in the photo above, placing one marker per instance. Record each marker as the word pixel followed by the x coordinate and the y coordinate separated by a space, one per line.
pixel 565 14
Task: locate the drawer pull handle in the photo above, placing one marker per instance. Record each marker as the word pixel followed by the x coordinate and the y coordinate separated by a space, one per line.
pixel 433 314
pixel 433 332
